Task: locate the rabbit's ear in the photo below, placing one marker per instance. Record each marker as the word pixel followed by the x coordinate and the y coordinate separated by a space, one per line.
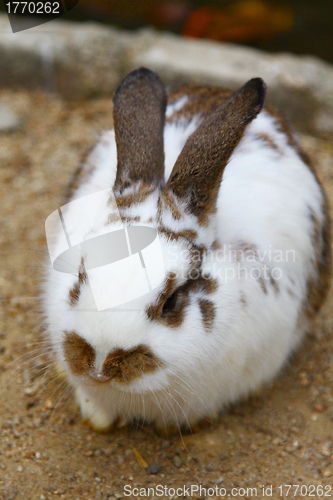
pixel 197 173
pixel 139 116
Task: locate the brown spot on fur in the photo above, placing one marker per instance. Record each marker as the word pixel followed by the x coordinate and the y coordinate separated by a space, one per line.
pixel 124 366
pixel 154 311
pixel 319 283
pixel 121 218
pixel 129 220
pixel 206 285
pixel 208 312
pixel 167 199
pixel 127 200
pixel 112 218
pixel 244 250
pixel 74 293
pixel 188 234
pixel 274 284
pixel 79 355
pixel 262 284
pixel 174 316
pixel 201 101
pixel 267 139
pixel 197 173
pixel 216 245
pixel 243 299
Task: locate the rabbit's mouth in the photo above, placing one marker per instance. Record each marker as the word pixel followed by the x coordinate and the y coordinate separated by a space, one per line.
pixel 152 382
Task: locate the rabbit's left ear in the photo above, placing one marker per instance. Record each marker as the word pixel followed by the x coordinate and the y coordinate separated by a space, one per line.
pixel 197 173
pixel 139 117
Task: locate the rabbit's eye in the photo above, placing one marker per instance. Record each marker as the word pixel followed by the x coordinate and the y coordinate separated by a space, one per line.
pixel 170 303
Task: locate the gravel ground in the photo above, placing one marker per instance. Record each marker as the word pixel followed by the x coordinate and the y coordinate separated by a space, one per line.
pixel 282 436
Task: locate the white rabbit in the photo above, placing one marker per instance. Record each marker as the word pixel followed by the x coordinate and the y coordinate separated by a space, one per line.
pixel 243 227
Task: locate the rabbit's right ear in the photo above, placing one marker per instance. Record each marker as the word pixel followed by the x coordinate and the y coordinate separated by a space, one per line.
pixel 139 117
pixel 197 173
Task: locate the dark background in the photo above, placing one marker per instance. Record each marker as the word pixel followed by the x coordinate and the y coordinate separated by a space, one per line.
pixel 299 26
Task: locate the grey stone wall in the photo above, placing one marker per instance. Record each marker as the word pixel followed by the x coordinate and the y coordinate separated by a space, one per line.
pixel 87 60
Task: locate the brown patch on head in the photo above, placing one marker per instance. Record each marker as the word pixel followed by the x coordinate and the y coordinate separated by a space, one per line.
pixel 79 355
pixel 125 366
pixel 121 218
pixel 168 200
pixel 198 170
pixel 127 200
pixel 216 245
pixel 208 312
pixel 75 291
pixel 172 301
pixel 243 299
pixel 139 115
pixel 201 101
pixel 113 218
pixel 319 282
pixel 164 307
pixel 268 141
pixel 130 220
pixel 245 250
pixel 187 234
pixel 262 284
pixel 274 284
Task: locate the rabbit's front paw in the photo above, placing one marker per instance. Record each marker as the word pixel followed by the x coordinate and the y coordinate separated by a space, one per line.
pixel 93 415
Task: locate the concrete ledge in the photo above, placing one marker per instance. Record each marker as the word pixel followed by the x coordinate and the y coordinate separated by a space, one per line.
pixel 79 61
pixel 301 87
pixel 86 60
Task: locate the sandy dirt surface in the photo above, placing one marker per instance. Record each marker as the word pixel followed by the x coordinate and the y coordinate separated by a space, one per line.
pixel 282 436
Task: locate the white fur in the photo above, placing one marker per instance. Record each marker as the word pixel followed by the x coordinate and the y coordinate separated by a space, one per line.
pixel 264 200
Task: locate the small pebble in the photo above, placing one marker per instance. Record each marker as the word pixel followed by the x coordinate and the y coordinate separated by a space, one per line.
pixel 327 473
pixel 9 121
pixel 177 462
pixel 326 449
pixel 154 468
pixel 306 379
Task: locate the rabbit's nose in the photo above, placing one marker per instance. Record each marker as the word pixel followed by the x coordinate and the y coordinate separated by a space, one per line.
pixel 99 377
pixel 125 365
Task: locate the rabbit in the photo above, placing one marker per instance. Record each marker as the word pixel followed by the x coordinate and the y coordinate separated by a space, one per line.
pixel 243 227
